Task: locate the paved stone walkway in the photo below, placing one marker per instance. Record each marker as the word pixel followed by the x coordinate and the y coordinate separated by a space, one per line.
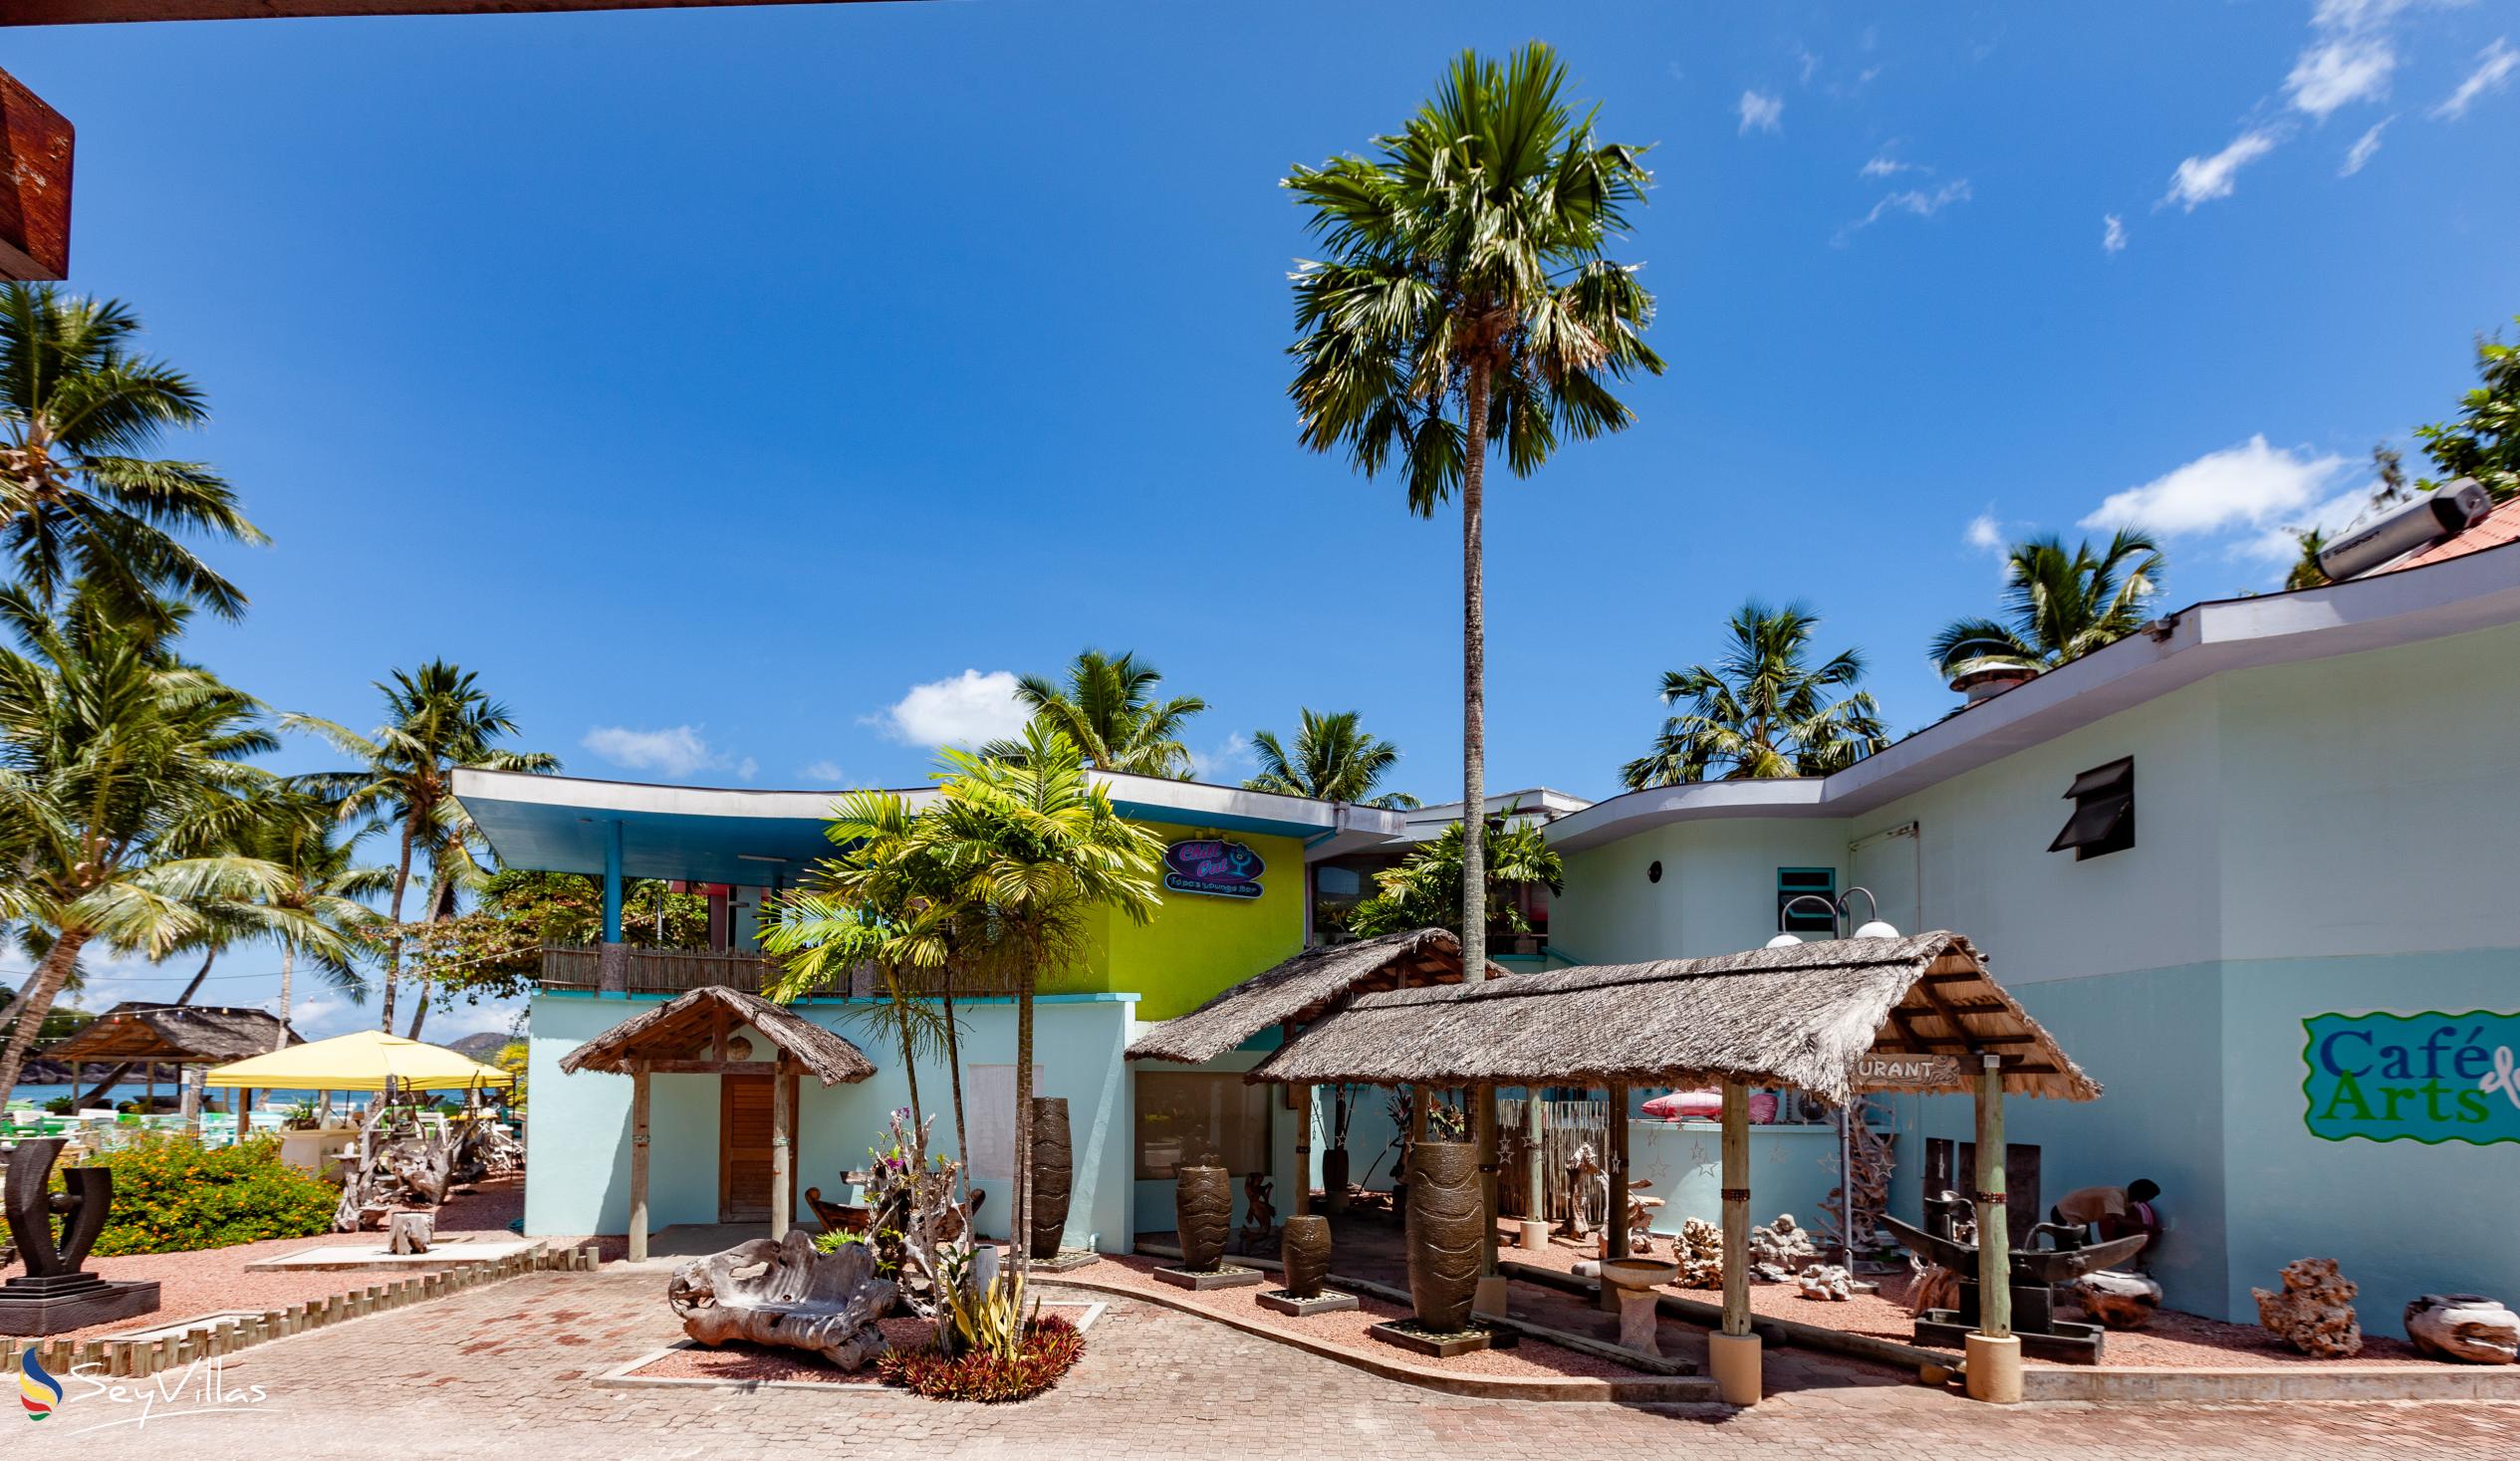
pixel 501 1372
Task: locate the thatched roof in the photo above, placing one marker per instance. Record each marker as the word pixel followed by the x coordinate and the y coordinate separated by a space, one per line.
pixel 1798 1016
pixel 687 1027
pixel 172 1035
pixel 1303 989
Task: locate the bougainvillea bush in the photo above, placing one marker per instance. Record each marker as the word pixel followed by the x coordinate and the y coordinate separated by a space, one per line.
pixel 171 1194
pixel 1051 1346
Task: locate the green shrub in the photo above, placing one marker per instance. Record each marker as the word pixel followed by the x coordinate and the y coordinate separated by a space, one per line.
pixel 174 1195
pixel 1049 1346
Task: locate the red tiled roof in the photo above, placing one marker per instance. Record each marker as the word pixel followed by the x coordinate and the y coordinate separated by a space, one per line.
pixel 2495 528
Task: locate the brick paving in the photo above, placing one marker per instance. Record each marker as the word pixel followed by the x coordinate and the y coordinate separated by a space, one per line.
pixel 503 1371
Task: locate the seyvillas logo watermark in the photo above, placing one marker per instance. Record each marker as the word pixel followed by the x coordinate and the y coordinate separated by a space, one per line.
pixel 37 1391
pixel 200 1388
pixel 2414 1078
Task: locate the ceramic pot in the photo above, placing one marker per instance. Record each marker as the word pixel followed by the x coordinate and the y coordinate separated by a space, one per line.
pixel 1054 1174
pixel 1333 1179
pixel 1445 1208
pixel 1304 1250
pixel 1202 1213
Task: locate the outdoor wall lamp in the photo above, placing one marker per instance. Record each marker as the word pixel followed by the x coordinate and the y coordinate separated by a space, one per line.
pixel 1838 913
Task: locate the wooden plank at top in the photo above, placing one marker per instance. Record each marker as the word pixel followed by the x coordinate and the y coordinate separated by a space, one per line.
pixel 35 190
pixel 108 12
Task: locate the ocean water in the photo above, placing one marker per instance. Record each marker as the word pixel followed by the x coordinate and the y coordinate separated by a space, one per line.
pixel 264 1100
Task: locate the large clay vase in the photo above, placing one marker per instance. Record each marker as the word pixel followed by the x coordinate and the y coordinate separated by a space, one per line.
pixel 1333 1179
pixel 1054 1174
pixel 1304 1252
pixel 1445 1208
pixel 1202 1213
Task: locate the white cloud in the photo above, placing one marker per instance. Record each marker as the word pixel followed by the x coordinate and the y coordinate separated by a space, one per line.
pixel 2362 149
pixel 2494 66
pixel 1809 62
pixel 1883 165
pixel 2356 15
pixel 2250 485
pixel 1919 201
pixel 1761 112
pixel 2339 72
pixel 2279 547
pixel 1229 760
pixel 961 711
pixel 1986 532
pixel 2203 179
pixel 676 750
pixel 2113 234
pixel 825 771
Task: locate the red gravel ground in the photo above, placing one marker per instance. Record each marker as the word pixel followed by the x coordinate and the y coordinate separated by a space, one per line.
pixel 213 1280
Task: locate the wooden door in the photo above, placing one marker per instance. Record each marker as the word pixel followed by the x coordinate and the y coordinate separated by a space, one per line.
pixel 744 1148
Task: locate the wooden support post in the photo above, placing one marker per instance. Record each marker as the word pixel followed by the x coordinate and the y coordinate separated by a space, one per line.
pixel 1535 1139
pixel 1416 1117
pixel 1994 1241
pixel 1483 1132
pixel 1617 1157
pixel 782 1155
pixel 1303 1149
pixel 1736 1208
pixel 638 1163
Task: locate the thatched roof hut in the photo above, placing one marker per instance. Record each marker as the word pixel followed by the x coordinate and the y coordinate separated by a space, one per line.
pixel 1304 988
pixel 692 1024
pixel 1799 1016
pixel 139 1033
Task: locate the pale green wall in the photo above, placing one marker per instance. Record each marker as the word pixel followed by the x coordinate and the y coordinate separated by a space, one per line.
pixel 1195 945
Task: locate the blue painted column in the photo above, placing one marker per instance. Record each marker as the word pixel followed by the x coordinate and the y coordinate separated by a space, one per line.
pixel 613 882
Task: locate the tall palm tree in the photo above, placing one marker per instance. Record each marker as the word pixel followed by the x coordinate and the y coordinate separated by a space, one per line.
pixel 1036 846
pixel 1466 305
pixel 438 719
pixel 2059 606
pixel 124 793
pixel 1333 761
pixel 81 496
pixel 1108 709
pixel 1763 709
pixel 305 837
pixel 1424 890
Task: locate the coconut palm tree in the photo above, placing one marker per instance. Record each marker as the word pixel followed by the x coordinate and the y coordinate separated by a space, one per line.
pixel 304 836
pixel 123 796
pixel 1763 709
pixel 2059 606
pixel 1466 306
pixel 1036 846
pixel 438 719
pixel 1108 708
pixel 1424 891
pixel 81 495
pixel 1333 761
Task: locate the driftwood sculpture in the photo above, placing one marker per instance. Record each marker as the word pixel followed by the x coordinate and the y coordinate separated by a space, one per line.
pixel 1203 1212
pixel 1446 1211
pixel 786 1294
pixel 2469 1328
pixel 1054 1175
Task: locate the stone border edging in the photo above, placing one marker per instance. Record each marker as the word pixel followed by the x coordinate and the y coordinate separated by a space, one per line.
pixel 136 1358
pixel 1676 1390
pixel 1783 1332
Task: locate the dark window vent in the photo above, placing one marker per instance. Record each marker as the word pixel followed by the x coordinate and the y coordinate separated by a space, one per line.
pixel 2103 812
pixel 1817 917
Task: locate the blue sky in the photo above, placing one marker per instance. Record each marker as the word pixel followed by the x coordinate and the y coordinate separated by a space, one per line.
pixel 714 382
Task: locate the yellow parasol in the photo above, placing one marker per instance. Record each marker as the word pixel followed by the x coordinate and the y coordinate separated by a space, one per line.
pixel 359 1061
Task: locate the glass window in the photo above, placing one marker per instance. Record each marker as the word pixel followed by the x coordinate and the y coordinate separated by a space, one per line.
pixel 1200 1118
pixel 1818 885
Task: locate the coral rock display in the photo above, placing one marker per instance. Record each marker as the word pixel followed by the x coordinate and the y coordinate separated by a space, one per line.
pixel 1781 1250
pixel 2118 1300
pixel 1826 1281
pixel 1304 1253
pixel 1445 1212
pixel 2464 1327
pixel 1054 1174
pixel 2314 1310
pixel 1203 1214
pixel 1699 1252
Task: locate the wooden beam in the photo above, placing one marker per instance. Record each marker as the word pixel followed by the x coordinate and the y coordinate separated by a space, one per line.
pixel 702 1066
pixel 1994 1242
pixel 638 1163
pixel 107 12
pixel 1736 1208
pixel 782 1156
pixel 1303 1096
pixel 1618 1171
pixel 35 188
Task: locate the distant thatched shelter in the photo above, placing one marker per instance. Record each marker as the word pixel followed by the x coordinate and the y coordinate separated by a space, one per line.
pixel 1799 1016
pixel 138 1032
pixel 1304 988
pixel 685 1027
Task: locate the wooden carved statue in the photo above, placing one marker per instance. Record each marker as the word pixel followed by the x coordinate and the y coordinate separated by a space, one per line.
pixel 1445 1212
pixel 1054 1175
pixel 1204 1213
pixel 1304 1253
pixel 1260 1215
pixel 788 1295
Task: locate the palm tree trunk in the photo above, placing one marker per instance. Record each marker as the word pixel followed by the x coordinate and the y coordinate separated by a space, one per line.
pixel 1020 1222
pixel 442 906
pixel 953 1077
pixel 40 993
pixel 393 915
pixel 1475 758
pixel 287 977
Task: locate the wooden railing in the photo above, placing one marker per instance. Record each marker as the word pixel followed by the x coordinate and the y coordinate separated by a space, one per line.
pixel 679 971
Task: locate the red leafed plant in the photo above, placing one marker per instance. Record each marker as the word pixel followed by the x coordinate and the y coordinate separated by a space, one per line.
pixel 1051 1345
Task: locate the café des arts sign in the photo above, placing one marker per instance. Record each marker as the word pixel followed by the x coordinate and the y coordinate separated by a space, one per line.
pixel 1213 868
pixel 2429 1078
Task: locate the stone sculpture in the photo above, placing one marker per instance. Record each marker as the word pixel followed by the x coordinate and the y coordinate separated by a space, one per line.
pixel 1202 1214
pixel 1826 1281
pixel 1781 1250
pixel 2116 1299
pixel 1054 1175
pixel 1699 1253
pixel 2464 1327
pixel 788 1295
pixel 1445 1212
pixel 2314 1310
pixel 53 1295
pixel 1304 1254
